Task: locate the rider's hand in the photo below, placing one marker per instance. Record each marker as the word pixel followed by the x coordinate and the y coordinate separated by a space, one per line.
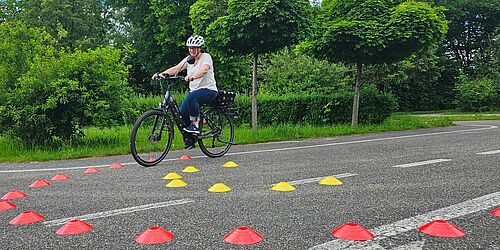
pixel 158 76
pixel 188 78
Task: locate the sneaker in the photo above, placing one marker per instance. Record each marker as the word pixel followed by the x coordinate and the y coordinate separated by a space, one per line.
pixel 192 129
pixel 189 146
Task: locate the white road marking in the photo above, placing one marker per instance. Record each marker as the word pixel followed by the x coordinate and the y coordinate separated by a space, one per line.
pixel 117 212
pixel 421 163
pixel 483 127
pixel 316 179
pixel 489 152
pixel 416 245
pixel 412 223
pixel 59 169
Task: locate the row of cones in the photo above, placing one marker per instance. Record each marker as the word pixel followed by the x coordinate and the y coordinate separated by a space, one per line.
pixel 439 228
pixel 221 187
pixel 14 194
pixel 70 228
pixel 245 235
pixel 239 236
pixel 153 235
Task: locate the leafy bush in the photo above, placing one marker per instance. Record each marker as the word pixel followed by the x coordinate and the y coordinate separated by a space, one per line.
pixel 56 97
pixel 478 94
pixel 19 47
pixel 286 73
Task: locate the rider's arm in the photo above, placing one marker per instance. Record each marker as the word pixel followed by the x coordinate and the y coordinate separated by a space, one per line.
pixel 174 70
pixel 200 73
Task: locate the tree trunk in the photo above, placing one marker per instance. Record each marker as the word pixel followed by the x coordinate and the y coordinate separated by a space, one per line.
pixel 355 104
pixel 254 92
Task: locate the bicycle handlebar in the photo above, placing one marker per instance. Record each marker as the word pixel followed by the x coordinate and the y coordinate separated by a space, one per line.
pixel 168 77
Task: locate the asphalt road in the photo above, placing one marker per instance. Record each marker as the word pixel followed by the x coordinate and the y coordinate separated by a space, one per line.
pixel 393 183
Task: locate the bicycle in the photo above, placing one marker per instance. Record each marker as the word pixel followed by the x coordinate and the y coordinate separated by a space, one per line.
pixel 153 132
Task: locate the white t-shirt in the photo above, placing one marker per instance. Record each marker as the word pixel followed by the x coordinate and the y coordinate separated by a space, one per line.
pixel 208 80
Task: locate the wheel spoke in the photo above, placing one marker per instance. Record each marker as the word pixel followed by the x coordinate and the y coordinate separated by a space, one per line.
pixel 218 133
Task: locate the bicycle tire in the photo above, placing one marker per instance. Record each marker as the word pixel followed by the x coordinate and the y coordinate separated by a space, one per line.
pixel 145 147
pixel 216 126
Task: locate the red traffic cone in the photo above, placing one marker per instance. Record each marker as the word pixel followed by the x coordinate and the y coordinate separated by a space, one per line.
pixel 496 212
pixel 185 157
pixel 243 236
pixel 5 205
pixel 352 231
pixel 154 235
pixel 60 177
pixel 74 227
pixel 116 165
pixel 39 183
pixel 441 228
pixel 14 194
pixel 91 171
pixel 27 217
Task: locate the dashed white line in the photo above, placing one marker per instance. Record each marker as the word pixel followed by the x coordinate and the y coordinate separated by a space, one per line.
pixel 483 127
pixel 420 163
pixel 489 152
pixel 412 223
pixel 118 212
pixel 316 179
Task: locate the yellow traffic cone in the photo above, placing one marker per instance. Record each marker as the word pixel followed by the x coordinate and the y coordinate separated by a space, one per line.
pixel 219 188
pixel 283 187
pixel 190 169
pixel 230 164
pixel 172 176
pixel 176 183
pixel 331 181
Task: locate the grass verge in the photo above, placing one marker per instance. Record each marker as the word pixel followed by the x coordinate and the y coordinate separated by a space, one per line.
pixel 115 141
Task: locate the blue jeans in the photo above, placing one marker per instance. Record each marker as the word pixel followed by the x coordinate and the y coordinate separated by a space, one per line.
pixel 190 107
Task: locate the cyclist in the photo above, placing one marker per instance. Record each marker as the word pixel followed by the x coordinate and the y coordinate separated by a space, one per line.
pixel 202 85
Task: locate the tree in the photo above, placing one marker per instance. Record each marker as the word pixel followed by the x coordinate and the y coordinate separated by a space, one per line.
pixel 79 24
pixel 472 28
pixel 419 82
pixel 258 27
pixel 157 30
pixel 231 71
pixel 375 31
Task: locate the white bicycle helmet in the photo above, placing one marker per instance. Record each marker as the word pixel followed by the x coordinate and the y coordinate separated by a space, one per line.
pixel 195 41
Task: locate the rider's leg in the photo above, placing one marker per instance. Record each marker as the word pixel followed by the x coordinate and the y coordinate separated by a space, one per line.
pixel 184 112
pixel 188 140
pixel 197 98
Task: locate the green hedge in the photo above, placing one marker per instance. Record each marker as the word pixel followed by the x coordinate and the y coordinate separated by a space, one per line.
pixel 317 109
pixel 296 109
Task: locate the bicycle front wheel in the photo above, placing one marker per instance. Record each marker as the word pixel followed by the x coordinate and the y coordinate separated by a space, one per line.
pixel 217 133
pixel 151 138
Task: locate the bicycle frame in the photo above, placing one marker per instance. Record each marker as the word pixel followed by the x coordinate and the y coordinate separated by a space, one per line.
pixel 169 105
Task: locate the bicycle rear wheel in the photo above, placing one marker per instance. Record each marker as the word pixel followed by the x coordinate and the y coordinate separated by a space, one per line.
pixel 217 133
pixel 151 138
